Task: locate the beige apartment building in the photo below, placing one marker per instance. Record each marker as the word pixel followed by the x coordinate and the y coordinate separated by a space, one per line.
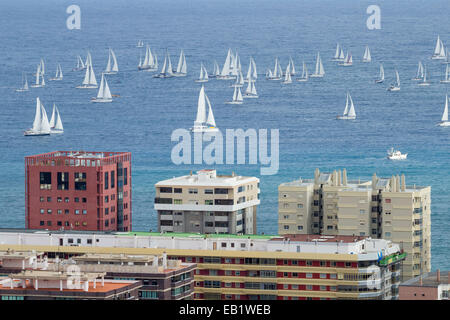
pixel 207 203
pixel 384 208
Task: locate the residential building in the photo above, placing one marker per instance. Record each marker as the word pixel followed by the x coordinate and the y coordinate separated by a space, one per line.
pixel 429 286
pixel 207 203
pixel 383 208
pixel 78 191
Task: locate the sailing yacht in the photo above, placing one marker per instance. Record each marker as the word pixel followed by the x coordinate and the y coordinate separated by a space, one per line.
pixel 237 96
pixel 89 81
pixel 104 94
pixel 140 44
pixel 348 61
pixel 419 75
pixel 114 68
pixel 203 123
pixel 304 76
pixel 447 75
pixel 166 70
pixel 287 75
pixel 41 68
pixel 319 72
pixel 251 73
pixel 227 72
pixel 439 50
pixel 349 111
pixel 277 73
pixel 182 66
pixel 339 55
pixel 395 86
pixel 56 125
pixel 367 57
pixel 59 75
pixel 41 126
pixel 292 66
pixel 216 71
pixel 25 83
pixel 40 81
pixel 250 92
pixel 80 65
pixel 203 74
pixel 424 82
pixel 150 62
pixel 381 79
pixel 444 120
pixel 239 80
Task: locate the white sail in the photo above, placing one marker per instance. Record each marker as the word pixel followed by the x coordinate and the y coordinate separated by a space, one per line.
pixel 169 70
pixel 38 74
pixel 275 69
pixel 45 126
pixel 101 89
pixel 42 67
pixel 287 75
pixel 147 57
pixel 292 66
pixel 254 74
pixel 201 108
pixel 319 66
pixel 92 79
pixel 249 71
pixel 419 71
pixel 397 78
pixel 239 95
pixel 445 114
pixel 447 73
pixel 108 65
pixel 182 68
pixel 336 55
pixel 37 117
pixel 115 67
pixel 106 91
pixel 249 86
pixel 253 90
pixel 381 72
pixel 341 55
pixel 25 86
pixel 205 74
pixel 86 75
pixel 58 124
pixel 216 69
pixel 351 111
pixel 346 106
pixel 437 48
pixel 367 57
pixel 201 72
pixel 226 66
pixel 53 118
pixel 60 76
pixel 235 94
pixel 210 121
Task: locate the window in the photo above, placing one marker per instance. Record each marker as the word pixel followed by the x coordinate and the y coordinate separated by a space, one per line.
pixel 77 199
pixel 49 211
pixel 387 200
pixel 41 223
pixel 329 227
pixel 66 211
pixel 62 180
pixel 323 276
pixel 221 191
pixel 80 180
pixel 300 205
pixel 209 191
pixel 387 234
pixel 177 201
pixel 84 211
pixel 66 199
pixel 125 176
pixel 59 211
pixel 45 179
pixel 106 181
pixel 362 211
pixel 299 227
pixel 240 189
pixel 178 190
pixel 309 275
pixel 49 199
pixel 193 191
pixel 106 199
pixel 112 179
pixel 42 199
pixel 77 211
pixel 286 227
pixel 165 190
pixel 209 202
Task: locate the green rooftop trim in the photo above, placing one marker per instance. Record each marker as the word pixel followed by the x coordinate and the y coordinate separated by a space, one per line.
pixel 392 258
pixel 197 235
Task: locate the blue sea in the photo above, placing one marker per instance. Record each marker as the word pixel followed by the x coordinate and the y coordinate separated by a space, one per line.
pixel 142 119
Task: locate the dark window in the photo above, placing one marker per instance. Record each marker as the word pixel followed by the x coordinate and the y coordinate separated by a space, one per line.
pixel 165 190
pixel 223 202
pixel 84 200
pixel 106 180
pixel 178 190
pixel 220 191
pixel 63 180
pixel 59 223
pixel 45 180
pixel 41 223
pixel 125 175
pixel 112 179
pixel 80 180
pixel 77 199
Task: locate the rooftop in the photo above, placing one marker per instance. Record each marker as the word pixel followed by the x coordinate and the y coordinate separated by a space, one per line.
pixel 77 158
pixel 320 238
pixel 429 279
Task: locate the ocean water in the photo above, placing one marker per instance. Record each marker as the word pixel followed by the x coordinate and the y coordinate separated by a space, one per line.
pixel 142 119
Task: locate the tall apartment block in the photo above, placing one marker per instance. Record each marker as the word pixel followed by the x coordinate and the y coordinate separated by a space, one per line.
pixel 207 203
pixel 88 191
pixel 386 208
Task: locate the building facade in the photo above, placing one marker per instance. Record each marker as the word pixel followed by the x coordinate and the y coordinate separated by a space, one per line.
pixel 78 191
pixel 207 203
pixel 429 286
pixel 384 208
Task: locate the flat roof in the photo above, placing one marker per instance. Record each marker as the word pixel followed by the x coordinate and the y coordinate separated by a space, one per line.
pixel 196 235
pixel 428 280
pixel 207 177
pixel 320 238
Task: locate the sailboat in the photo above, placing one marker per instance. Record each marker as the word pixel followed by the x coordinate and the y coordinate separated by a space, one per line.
pixel 339 55
pixel 419 75
pixel 277 73
pixel 150 62
pixel 40 81
pixel 228 66
pixel 319 72
pixel 216 71
pixel 114 68
pixel 80 64
pixel 292 66
pixel 25 84
pixel 348 61
pixel 287 75
pixel 304 76
pixel 235 64
pixel 250 92
pixel 237 96
pixel 56 125
pixel 251 73
pixel 89 81
pixel 166 70
pixel 182 66
pixel 447 57
pixel 41 126
pixel 381 79
pixel 239 80
pixel 439 50
pixel 349 111
pixel 203 123
pixel 447 75
pixel 104 94
pixel 140 44
pixel 203 74
pixel 424 82
pixel 59 74
pixel 367 57
pixel 395 86
pixel 41 68
pixel 444 120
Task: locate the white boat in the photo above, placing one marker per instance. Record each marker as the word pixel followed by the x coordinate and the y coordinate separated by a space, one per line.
pixel 305 75
pixel 40 81
pixel 287 75
pixel 292 66
pixel 250 92
pixel 396 155
pixel 203 74
pixel 89 81
pixel 367 56
pixel 140 44
pixel 348 61
pixel 166 70
pixel 444 120
pixel 447 75
pixel 227 72
pixel 80 65
pixel 235 65
pixel 150 62
pixel 216 72
pixel 239 80
pixel 41 68
pixel 25 84
pixel 251 73
pixel 104 94
pixel 395 86
pixel 41 126
pixel 203 123
pixel 419 75
pixel 339 55
pixel 237 96
pixel 182 66
pixel 111 68
pixel 59 74
pixel 424 82
pixel 349 111
pixel 277 73
pixel 319 72
pixel 439 50
pixel 56 125
pixel 381 79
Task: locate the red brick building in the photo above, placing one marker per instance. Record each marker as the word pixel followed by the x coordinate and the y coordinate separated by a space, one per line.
pixel 71 190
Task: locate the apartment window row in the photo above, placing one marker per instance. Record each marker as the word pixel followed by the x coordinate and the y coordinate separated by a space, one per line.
pixel 61 223
pixel 60 199
pixel 65 211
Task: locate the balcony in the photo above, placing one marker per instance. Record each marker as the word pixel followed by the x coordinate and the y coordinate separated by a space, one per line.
pixel 392 258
